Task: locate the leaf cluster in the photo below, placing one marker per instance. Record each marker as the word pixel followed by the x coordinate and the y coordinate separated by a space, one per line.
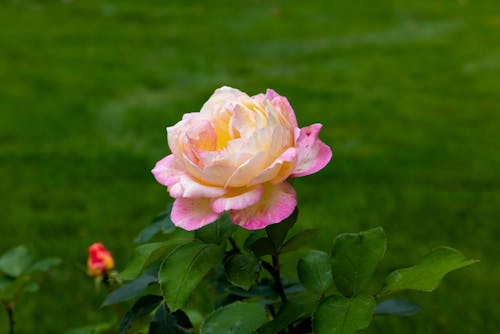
pixel 174 280
pixel 18 272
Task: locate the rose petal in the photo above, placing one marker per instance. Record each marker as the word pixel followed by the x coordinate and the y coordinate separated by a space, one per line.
pixel 312 153
pixel 191 137
pixel 217 174
pixel 190 115
pixel 281 103
pixel 201 136
pixel 189 188
pixel 220 98
pixel 279 170
pixel 192 213
pixel 238 200
pixel 245 122
pixel 238 163
pixel 246 171
pixel 167 171
pixel 277 203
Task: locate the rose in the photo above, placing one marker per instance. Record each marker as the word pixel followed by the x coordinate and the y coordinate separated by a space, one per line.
pixel 235 154
pixel 100 260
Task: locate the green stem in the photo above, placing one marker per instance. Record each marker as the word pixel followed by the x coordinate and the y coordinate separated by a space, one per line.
pixel 9 307
pixel 106 281
pixel 277 278
pixel 274 270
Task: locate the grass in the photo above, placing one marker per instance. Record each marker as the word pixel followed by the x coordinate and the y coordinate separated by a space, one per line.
pixel 408 93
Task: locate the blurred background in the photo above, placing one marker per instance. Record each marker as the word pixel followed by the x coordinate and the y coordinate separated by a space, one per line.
pixel 408 93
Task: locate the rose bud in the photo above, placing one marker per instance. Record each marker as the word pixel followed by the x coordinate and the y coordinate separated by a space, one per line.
pixel 100 260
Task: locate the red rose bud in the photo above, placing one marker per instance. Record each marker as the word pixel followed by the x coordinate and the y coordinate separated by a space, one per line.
pixel 100 260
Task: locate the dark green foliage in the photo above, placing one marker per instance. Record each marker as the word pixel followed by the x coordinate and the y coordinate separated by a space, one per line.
pixel 399 307
pixel 288 313
pixel 217 232
pixel 299 240
pixel 164 322
pixel 133 289
pixel 260 247
pixel 294 307
pixel 315 271
pixel 355 258
pixel 277 232
pixel 341 315
pixel 184 268
pixel 145 255
pixel 242 270
pixel 161 223
pixel 142 307
pixel 236 318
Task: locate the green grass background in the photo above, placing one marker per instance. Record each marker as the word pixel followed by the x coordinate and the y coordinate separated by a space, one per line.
pixel 408 93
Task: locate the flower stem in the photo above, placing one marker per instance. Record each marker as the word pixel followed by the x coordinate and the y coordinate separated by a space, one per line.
pixel 9 307
pixel 277 277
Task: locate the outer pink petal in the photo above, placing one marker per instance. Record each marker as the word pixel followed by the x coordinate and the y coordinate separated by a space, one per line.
pixel 313 154
pixel 282 103
pixel 192 213
pixel 167 171
pixel 276 204
pixel 238 201
pixel 188 188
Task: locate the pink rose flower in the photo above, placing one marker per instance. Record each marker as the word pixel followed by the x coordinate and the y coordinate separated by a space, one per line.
pixel 100 260
pixel 236 154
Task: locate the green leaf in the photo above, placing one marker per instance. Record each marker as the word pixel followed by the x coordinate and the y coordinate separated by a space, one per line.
pixel 426 275
pixel 401 307
pixel 5 282
pixel 355 258
pixel 299 240
pixel 145 255
pixel 184 268
pixel 161 223
pixel 277 232
pixel 31 287
pixel 142 307
pixel 132 289
pixel 265 291
pixel 242 270
pixel 182 319
pixel 149 232
pixel 315 271
pixel 9 286
pixel 341 315
pixel 237 318
pixel 261 247
pixel 16 261
pixel 288 313
pixel 45 264
pixel 254 236
pixel 164 322
pixel 216 232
